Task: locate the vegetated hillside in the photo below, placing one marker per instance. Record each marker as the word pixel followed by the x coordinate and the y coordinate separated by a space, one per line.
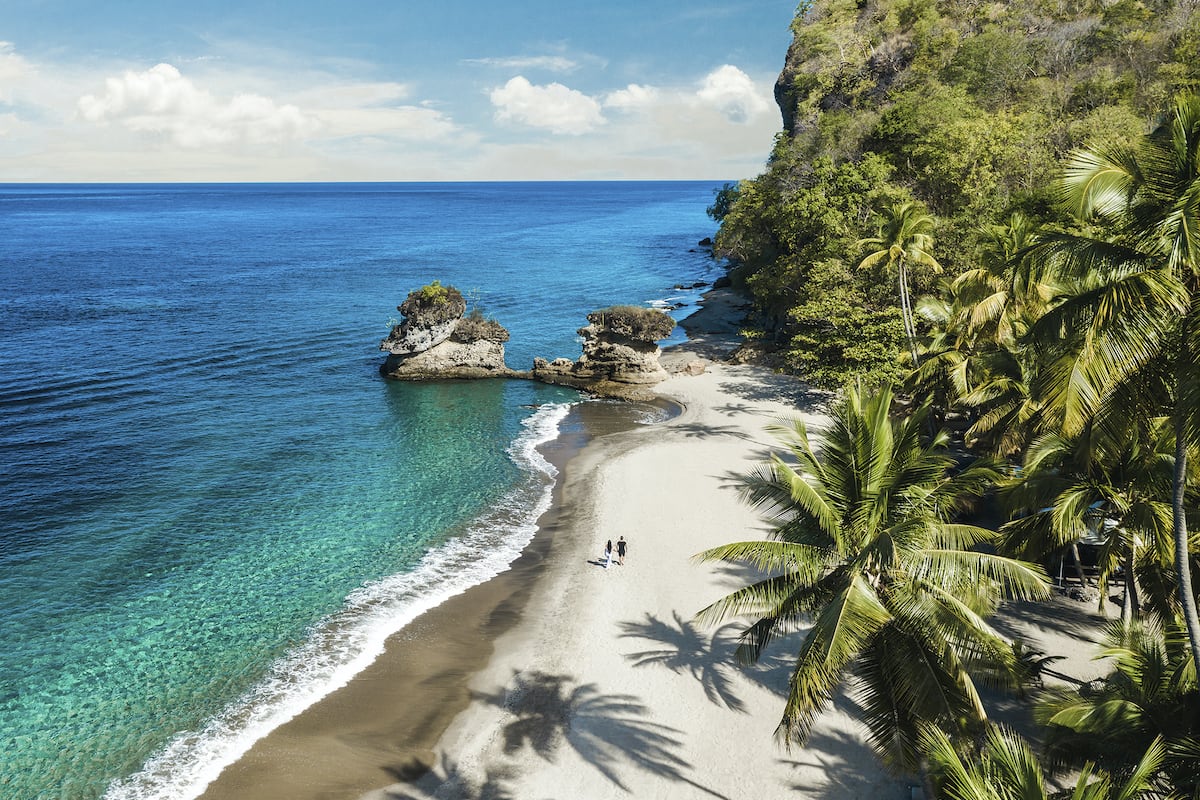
pixel 967 108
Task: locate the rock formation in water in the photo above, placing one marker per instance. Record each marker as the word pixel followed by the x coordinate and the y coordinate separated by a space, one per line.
pixel 620 354
pixel 435 340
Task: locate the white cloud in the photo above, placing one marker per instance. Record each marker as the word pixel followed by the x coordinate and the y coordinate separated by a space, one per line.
pixel 373 109
pixel 633 98
pixel 549 63
pixel 161 100
pixel 13 69
pixel 553 107
pixel 733 93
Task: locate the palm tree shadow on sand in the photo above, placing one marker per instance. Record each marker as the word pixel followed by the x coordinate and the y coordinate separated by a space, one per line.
pixel 605 730
pixel 709 659
pixel 428 784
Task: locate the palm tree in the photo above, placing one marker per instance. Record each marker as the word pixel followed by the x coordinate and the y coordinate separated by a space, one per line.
pixel 864 554
pixel 1007 769
pixel 1151 696
pixel 1109 482
pixel 999 298
pixel 904 239
pixel 1139 308
pixel 1000 394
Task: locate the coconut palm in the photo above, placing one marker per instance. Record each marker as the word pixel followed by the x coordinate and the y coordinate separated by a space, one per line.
pixel 1138 305
pixel 1000 395
pixel 864 558
pixel 904 240
pixel 1005 768
pixel 1008 289
pixel 1108 482
pixel 1150 696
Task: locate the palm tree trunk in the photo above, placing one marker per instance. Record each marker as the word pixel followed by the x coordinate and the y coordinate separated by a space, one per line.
pixel 910 328
pixel 1187 599
pixel 1078 562
pixel 1130 607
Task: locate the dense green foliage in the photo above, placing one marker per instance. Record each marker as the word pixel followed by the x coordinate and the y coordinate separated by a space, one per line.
pixel 432 304
pixel 1044 157
pixel 967 108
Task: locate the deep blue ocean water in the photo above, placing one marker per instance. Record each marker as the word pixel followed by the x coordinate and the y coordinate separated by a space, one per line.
pixel 213 510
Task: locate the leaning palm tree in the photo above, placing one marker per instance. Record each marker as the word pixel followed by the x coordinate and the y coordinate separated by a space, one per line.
pixel 904 240
pixel 1006 768
pixel 1138 303
pixel 865 560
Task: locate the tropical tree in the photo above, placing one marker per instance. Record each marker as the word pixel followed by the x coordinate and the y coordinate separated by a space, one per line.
pixel 1005 768
pixel 865 559
pixel 1150 697
pixel 1008 289
pixel 904 240
pixel 1109 482
pixel 1137 308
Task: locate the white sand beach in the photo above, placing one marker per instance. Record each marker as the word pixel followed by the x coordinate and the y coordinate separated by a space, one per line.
pixel 609 689
pixel 604 686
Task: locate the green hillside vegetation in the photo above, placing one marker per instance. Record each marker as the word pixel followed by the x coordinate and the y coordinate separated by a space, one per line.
pixel 994 208
pixel 967 108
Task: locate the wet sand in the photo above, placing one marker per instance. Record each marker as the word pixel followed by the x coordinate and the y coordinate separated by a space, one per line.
pixel 383 725
pixel 560 679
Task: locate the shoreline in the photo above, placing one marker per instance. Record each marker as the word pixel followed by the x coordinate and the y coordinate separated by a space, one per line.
pixel 558 678
pixel 341 745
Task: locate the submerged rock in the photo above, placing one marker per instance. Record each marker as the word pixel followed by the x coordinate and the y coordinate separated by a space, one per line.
pixel 436 341
pixel 620 354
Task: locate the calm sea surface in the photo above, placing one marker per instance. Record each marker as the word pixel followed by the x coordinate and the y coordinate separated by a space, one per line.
pixel 213 510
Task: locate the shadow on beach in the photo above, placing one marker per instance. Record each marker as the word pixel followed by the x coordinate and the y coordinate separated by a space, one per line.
pixel 700 430
pixel 688 648
pixel 606 730
pixel 777 388
pixel 846 764
pixel 448 780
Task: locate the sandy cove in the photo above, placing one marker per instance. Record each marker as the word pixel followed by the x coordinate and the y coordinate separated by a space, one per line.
pixel 607 688
pixel 603 687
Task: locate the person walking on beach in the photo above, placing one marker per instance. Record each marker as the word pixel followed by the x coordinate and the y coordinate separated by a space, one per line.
pixel 608 554
pixel 621 547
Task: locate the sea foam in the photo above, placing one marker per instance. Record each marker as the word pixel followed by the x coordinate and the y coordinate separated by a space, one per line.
pixel 347 642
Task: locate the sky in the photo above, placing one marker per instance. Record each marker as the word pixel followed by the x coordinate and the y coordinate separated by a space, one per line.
pixel 389 90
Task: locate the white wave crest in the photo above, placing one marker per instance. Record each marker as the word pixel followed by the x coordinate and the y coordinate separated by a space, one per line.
pixel 347 642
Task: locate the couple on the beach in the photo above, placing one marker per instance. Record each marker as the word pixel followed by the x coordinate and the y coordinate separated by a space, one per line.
pixel 622 545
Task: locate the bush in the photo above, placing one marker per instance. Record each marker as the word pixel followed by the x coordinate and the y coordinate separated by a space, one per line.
pixel 433 304
pixel 475 327
pixel 643 324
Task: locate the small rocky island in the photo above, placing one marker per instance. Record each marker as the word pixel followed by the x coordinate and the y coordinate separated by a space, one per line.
pixel 620 354
pixel 438 339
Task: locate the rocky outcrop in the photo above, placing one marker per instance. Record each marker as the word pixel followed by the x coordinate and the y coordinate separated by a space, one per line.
pixel 430 315
pixel 436 341
pixel 620 354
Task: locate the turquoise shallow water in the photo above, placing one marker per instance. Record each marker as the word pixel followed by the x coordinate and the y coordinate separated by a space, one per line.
pixel 212 509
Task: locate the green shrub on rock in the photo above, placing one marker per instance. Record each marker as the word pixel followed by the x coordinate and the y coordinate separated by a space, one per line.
pixel 635 322
pixel 475 328
pixel 433 304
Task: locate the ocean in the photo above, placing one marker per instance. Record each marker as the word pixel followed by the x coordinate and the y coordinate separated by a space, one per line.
pixel 213 510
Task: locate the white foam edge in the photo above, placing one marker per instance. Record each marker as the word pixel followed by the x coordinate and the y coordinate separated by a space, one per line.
pixel 347 642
